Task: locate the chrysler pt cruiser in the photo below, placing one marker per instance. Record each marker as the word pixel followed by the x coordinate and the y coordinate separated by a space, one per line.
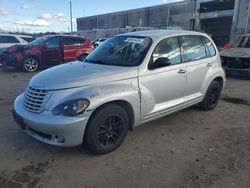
pixel 131 79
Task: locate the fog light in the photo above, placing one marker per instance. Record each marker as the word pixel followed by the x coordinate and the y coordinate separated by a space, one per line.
pixel 59 139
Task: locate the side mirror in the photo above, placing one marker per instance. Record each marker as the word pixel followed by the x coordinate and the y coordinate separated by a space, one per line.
pixel 160 62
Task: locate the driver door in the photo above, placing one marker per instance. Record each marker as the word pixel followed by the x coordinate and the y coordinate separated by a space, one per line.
pixel 52 52
pixel 162 89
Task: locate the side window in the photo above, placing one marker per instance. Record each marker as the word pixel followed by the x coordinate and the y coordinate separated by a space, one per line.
pixel 210 47
pixel 247 43
pixel 67 41
pixel 168 48
pixel 81 41
pixel 70 41
pixel 193 47
pixel 8 39
pixel 54 42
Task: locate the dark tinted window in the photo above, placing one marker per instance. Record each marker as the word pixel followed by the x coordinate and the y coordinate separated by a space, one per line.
pixel 8 39
pixel 168 48
pixel 70 41
pixel 54 42
pixel 28 39
pixel 210 47
pixel 194 48
pixel 81 41
pixel 247 43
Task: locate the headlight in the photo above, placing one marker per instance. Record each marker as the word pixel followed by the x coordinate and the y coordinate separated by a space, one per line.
pixel 71 108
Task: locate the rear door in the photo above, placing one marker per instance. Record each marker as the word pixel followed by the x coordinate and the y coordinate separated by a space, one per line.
pixel 162 89
pixel 73 48
pixel 52 52
pixel 195 54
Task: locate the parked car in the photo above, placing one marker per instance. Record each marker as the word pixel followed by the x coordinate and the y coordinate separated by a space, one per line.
pixel 129 80
pixel 7 40
pixel 98 42
pixel 47 51
pixel 236 60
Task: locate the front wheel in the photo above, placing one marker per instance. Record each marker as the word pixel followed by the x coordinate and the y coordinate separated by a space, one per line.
pixel 212 96
pixel 107 129
pixel 30 64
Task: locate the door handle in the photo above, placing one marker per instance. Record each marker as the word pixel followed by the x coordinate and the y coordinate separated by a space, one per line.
pixel 209 64
pixel 181 71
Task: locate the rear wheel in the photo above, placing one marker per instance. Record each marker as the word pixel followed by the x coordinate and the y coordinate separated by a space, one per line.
pixel 212 96
pixel 107 129
pixel 30 64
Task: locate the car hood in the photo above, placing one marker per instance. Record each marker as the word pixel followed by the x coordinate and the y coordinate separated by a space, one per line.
pixel 236 52
pixel 78 74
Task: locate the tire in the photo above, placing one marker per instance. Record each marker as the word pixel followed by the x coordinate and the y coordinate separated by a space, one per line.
pixel 212 96
pixel 30 64
pixel 107 129
pixel 82 57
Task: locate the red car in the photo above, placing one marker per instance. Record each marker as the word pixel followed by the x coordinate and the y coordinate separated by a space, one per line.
pixel 47 51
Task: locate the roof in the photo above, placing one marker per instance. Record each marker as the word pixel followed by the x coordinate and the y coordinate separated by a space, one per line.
pixel 6 34
pixel 154 34
pixel 49 36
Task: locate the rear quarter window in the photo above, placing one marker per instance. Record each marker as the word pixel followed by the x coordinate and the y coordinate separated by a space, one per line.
pixel 81 41
pixel 72 41
pixel 193 47
pixel 209 46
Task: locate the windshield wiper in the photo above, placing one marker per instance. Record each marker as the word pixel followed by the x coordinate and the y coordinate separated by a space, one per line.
pixel 96 61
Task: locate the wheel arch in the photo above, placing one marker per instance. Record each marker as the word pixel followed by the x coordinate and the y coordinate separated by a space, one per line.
pixel 122 103
pixel 33 56
pixel 213 75
pixel 219 79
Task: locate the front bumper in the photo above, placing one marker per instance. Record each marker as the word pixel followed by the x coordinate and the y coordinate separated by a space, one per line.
pixel 49 128
pixel 14 60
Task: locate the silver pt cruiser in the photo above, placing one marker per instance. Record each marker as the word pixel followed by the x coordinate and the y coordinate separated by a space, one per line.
pixel 131 79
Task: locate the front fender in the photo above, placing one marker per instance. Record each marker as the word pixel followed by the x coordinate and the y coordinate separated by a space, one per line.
pixel 99 95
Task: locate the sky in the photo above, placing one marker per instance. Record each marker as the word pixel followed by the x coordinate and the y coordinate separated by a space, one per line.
pixel 34 16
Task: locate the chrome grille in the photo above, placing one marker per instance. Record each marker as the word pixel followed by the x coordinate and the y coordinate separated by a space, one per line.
pixel 36 99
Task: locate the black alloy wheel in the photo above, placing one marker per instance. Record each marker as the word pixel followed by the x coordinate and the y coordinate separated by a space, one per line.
pixel 110 130
pixel 106 129
pixel 212 96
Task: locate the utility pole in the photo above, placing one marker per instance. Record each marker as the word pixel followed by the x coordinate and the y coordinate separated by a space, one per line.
pixel 71 24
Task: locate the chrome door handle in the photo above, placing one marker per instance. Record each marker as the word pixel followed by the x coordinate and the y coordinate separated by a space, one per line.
pixel 181 71
pixel 209 64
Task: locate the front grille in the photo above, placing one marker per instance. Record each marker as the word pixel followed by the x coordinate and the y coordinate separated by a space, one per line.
pixel 36 99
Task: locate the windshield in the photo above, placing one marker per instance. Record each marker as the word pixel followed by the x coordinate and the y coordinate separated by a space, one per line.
pixel 39 40
pixel 121 51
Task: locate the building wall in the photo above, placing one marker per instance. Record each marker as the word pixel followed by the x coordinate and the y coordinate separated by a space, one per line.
pixel 176 14
pixel 182 14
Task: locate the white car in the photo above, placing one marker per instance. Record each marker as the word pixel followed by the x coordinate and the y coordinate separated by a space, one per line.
pixel 98 42
pixel 129 80
pixel 7 40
